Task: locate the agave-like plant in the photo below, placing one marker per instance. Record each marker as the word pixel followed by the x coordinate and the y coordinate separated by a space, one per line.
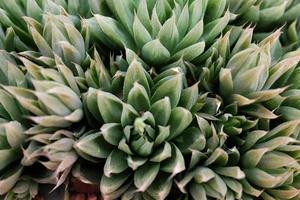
pixel 58 150
pixel 202 102
pixel 12 137
pixel 53 104
pixel 160 31
pixel 145 135
pixel 25 189
pixel 268 16
pixel 263 165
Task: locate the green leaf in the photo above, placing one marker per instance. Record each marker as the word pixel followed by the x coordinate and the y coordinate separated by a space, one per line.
pixel 161 111
pixel 135 162
pixel 191 52
pixel 214 28
pixel 161 153
pixel 252 138
pixel 52 104
pixel 180 119
pixel 219 157
pixel 90 104
pixel 265 95
pixel 163 10
pixel 145 175
pixel 182 24
pixel 8 156
pixel 111 184
pixel 131 56
pixel 68 52
pixel 9 179
pixel 191 139
pixel 142 146
pixel 163 134
pixel 94 145
pixel 217 185
pixel 264 179
pixel 284 129
pixel 276 160
pixel 123 9
pixel 287 192
pixel 189 97
pixel 168 34
pixel 215 9
pixel 14 133
pixel 251 80
pixel 51 121
pixel 139 98
pixel 252 157
pixel 235 186
pixel 26 98
pixel 155 23
pixel 115 163
pixel 33 10
pixel 155 53
pixel 260 111
pixel 289 113
pixel 160 188
pixel 140 33
pixel 113 30
pixel 197 11
pixel 226 82
pixel 75 38
pixel 276 142
pixel 135 73
pixel 197 191
pixel 112 133
pixel 66 96
pixel 243 41
pixel 169 87
pixel 203 175
pixel 143 14
pixel 10 106
pixel 69 77
pixel 248 189
pixel 270 15
pixel 129 114
pixel 41 43
pixel 175 164
pixel 109 106
pixel 232 172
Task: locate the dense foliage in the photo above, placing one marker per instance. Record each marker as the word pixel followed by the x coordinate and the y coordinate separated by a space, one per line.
pixel 151 99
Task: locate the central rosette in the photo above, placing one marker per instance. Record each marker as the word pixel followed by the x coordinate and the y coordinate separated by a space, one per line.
pixel 143 134
pixel 144 131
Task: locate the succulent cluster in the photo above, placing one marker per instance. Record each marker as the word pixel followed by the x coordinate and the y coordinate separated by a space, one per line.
pixel 150 99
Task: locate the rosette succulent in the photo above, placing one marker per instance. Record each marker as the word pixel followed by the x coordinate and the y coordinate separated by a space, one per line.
pixel 144 137
pixel 52 104
pixel 268 16
pixel 54 151
pixel 12 137
pixel 160 31
pixel 150 99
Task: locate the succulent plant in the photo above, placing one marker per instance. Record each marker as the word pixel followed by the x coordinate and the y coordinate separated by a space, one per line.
pixel 144 136
pixel 160 31
pixel 150 99
pixel 268 16
pixel 25 189
pixel 12 137
pixel 54 151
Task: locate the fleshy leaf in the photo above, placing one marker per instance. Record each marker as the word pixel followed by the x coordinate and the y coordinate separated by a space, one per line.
pixel 115 163
pixel 145 175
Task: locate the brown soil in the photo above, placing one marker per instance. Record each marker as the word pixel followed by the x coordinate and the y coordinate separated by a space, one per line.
pixel 80 191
